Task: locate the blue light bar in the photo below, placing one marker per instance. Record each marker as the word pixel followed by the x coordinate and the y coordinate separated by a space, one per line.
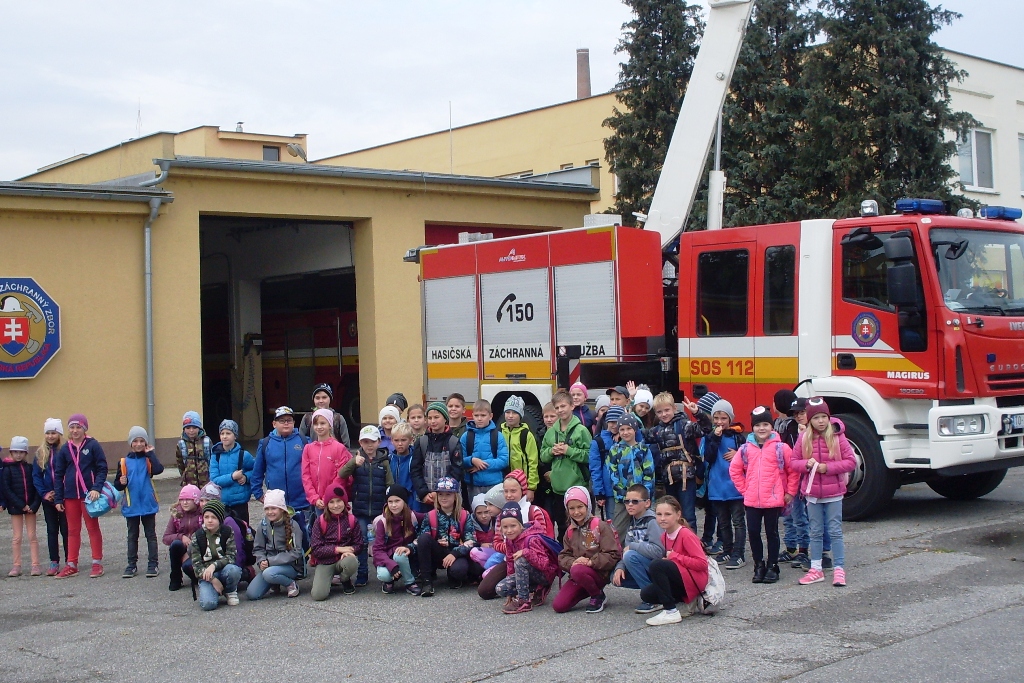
pixel 932 206
pixel 1000 213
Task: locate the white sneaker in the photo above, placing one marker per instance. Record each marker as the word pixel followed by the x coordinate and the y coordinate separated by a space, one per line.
pixel 665 617
pixel 232 598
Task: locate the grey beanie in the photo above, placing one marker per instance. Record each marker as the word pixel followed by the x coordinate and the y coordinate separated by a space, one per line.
pixel 723 406
pixel 229 425
pixel 19 443
pixel 137 433
pixel 515 404
pixel 496 495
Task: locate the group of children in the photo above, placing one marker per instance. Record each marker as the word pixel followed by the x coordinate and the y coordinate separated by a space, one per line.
pixel 572 502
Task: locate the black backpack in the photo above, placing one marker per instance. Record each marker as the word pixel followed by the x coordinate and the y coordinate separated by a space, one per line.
pixel 471 442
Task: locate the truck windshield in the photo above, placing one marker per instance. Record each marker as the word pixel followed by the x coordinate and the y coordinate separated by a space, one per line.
pixel 980 270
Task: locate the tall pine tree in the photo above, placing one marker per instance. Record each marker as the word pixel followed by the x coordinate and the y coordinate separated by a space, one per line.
pixel 661 42
pixel 878 116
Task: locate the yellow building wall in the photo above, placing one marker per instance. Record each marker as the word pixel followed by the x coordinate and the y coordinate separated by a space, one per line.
pixel 541 140
pixel 131 158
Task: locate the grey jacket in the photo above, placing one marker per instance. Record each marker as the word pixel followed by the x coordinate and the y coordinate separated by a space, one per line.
pixel 269 544
pixel 644 537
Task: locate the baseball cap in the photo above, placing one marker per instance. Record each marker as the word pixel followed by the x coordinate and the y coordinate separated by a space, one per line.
pixel 284 411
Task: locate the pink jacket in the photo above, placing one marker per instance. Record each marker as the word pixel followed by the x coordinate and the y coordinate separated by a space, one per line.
pixel 321 461
pixel 535 551
pixel 760 480
pixel 833 482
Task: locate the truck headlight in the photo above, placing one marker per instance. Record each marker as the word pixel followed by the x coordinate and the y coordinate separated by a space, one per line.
pixel 961 425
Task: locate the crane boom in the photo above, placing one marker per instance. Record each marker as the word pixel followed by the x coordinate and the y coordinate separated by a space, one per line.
pixel 698 117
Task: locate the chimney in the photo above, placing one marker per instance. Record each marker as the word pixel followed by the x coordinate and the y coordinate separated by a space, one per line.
pixel 582 73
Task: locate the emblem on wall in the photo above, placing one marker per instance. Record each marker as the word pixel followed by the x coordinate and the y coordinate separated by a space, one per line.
pixel 29 328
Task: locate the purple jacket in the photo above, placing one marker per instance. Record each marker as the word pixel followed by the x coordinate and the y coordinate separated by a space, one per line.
pixel 326 536
pixel 833 482
pixel 92 463
pixel 384 546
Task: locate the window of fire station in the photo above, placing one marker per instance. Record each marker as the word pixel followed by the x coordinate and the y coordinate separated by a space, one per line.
pixel 779 289
pixel 722 293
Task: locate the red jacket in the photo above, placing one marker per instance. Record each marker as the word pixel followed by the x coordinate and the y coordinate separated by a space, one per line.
pixel 760 479
pixel 321 461
pixel 536 516
pixel 535 551
pixel 687 553
pixel 833 482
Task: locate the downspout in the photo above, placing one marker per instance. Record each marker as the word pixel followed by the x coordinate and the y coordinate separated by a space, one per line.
pixel 154 209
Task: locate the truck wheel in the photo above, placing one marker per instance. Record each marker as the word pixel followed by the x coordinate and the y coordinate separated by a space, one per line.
pixel 534 418
pixel 872 484
pixel 967 486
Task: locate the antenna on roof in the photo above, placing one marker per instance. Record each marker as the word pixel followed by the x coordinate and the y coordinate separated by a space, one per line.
pixel 138 120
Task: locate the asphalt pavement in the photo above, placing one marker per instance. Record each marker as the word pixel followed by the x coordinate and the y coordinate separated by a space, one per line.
pixel 935 593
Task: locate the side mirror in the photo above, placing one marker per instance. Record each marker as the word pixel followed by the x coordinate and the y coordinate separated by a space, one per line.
pixel 902 274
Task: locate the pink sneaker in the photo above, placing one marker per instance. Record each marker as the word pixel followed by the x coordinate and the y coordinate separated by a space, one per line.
pixel 812 576
pixel 839 578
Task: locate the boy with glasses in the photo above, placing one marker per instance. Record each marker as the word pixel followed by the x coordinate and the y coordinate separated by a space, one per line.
pixel 642 545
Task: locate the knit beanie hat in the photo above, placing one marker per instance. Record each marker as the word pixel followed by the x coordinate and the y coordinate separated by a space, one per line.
pixel 325 413
pixel 137 433
pixel 579 493
pixel 520 478
pixel 229 425
pixel 439 407
pixel 274 498
pixel 631 421
pixel 516 405
pixel 19 443
pixel 397 490
pixel 760 414
pixel 389 410
pixel 603 401
pixel 53 424
pixel 816 406
pixel 398 400
pixel 495 496
pixel 511 511
pixel 326 388
pixel 644 396
pixel 581 386
pixel 723 406
pixel 614 414
pixel 478 500
pixel 217 508
pixel 190 492
pixel 783 400
pixel 78 418
pixel 706 402
pixel 191 419
pixel 210 492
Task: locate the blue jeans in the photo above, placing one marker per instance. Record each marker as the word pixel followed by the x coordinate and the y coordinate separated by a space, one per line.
pixel 229 576
pixel 304 524
pixel 828 516
pixel 384 574
pixel 795 524
pixel 636 570
pixel 687 498
pixel 363 574
pixel 277 575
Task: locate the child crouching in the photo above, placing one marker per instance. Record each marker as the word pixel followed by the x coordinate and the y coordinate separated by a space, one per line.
pixel 590 553
pixel 531 565
pixel 278 548
pixel 393 542
pixel 335 544
pixel 213 558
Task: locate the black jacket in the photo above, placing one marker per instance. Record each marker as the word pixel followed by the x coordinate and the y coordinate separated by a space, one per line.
pixel 17 488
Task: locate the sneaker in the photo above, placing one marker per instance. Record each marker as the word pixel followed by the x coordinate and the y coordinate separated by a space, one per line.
pixel 152 571
pixel 455 585
pixel 735 562
pixel 597 604
pixel 54 569
pixel 801 561
pixel 413 589
pixel 232 598
pixel 129 572
pixel 715 548
pixel 517 606
pixel 347 587
pixel 812 576
pixel 336 580
pixel 665 617
pixel 96 571
pixel 722 558
pixel 540 595
pixel 787 555
pixel 771 575
pixel 428 590
pixel 826 561
pixel 361 582
pixel 387 587
pixel 293 590
pixel 36 570
pixel 15 571
pixel 68 571
pixel 759 572
pixel 647 608
pixel 839 578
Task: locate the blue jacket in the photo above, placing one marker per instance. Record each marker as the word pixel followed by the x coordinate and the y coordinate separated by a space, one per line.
pixel 43 478
pixel 401 469
pixel 279 466
pixel 93 465
pixel 497 462
pixel 601 468
pixel 631 465
pixel 720 486
pixel 140 497
pixel 222 465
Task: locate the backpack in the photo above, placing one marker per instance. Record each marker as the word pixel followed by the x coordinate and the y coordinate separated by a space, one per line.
pixel 471 442
pixel 583 466
pixel 778 455
pixel 241 457
pixel 432 517
pixel 352 522
pixel 207 448
pixel 248 538
pixel 595 524
pixel 423 443
pixel 714 591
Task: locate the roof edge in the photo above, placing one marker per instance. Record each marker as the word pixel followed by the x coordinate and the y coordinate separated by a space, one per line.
pixel 67 191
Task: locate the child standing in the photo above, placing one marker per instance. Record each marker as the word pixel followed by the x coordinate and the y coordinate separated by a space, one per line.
pixel 230 469
pixel 719 448
pixel 435 455
pixel 484 451
pixel 544 497
pixel 601 406
pixel 445 539
pixel 762 474
pixel 578 392
pixel 323 394
pixel 278 548
pixel 530 564
pixel 825 457
pixel 371 476
pixel 321 461
pixel 683 574
pixel 523 453
pixel 22 501
pixel 566 447
pixel 135 477
pixel 394 542
pixel 400 457
pixel 590 553
pixel 213 558
pixel 185 520
pixel 601 478
pixel 417 419
pixel 194 451
pixel 336 542
pixel 42 476
pixel 80 473
pixel 388 418
pixel 456 405
pixel 632 463
pixel 642 545
pixel 680 469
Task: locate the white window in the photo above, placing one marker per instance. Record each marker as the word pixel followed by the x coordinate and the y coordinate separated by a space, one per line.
pixel 565 167
pixel 975 155
pixel 1020 154
pixel 593 162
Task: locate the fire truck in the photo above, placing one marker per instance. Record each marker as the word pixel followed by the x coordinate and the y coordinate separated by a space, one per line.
pixel 911 325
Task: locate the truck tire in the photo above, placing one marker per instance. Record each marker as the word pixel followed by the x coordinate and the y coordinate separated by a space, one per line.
pixel 967 486
pixel 534 418
pixel 872 484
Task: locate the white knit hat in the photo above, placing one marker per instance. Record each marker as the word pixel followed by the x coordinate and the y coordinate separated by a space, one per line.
pixel 53 424
pixel 389 410
pixel 274 498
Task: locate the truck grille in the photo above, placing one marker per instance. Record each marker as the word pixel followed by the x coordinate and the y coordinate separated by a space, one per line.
pixel 1006 381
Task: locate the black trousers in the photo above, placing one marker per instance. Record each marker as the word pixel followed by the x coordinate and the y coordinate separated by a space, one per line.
pixel 732 527
pixel 431 554
pixel 180 561
pixel 489 583
pixel 769 517
pixel 666 587
pixel 148 523
pixel 241 511
pixel 56 523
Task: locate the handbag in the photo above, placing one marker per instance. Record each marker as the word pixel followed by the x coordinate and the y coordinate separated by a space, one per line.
pixel 714 591
pixel 108 500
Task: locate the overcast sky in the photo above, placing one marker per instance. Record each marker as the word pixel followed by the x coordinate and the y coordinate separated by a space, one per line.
pixel 350 74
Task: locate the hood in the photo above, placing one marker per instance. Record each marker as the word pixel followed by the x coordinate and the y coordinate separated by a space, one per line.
pixel 648 514
pixel 480 430
pixel 772 438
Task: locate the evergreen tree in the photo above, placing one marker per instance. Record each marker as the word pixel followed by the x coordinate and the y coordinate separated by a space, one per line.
pixel 878 116
pixel 661 42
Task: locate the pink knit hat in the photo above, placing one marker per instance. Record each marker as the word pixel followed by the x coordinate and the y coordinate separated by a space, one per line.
pixel 325 413
pixel 80 419
pixel 578 493
pixel 520 477
pixel 190 492
pixel 579 385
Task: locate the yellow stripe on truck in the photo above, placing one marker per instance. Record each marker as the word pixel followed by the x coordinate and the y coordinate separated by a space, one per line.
pixel 532 369
pixel 767 370
pixel 451 371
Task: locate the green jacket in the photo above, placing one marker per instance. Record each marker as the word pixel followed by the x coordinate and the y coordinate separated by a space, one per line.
pixel 565 470
pixel 519 460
